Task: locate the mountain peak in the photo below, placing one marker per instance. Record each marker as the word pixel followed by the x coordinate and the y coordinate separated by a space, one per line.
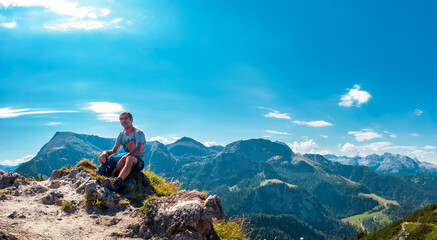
pixel 259 149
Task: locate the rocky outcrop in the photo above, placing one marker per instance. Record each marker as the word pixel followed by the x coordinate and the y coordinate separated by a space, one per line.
pixel 73 204
pixel 184 215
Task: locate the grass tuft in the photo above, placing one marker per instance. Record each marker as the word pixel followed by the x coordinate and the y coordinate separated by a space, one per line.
pixel 149 207
pixel 94 200
pixel 230 229
pixel 85 163
pixel 161 185
pixel 66 205
pixel 40 178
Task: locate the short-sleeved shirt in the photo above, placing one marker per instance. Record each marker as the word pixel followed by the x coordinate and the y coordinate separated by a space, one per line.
pixel 129 142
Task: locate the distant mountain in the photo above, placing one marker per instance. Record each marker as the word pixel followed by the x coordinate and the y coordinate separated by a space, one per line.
pixel 65 148
pixel 387 163
pixel 8 168
pixel 187 150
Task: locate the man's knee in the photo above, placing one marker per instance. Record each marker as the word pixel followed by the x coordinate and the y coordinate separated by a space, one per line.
pixel 131 160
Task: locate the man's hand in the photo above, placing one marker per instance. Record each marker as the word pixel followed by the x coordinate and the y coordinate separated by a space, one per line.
pixel 103 157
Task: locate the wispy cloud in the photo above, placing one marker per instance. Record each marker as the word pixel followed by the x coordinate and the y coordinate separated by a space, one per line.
pixel 428 147
pixel 414 134
pixel 82 24
pixel 420 154
pixel 17 161
pixel 108 111
pixel 304 147
pixel 355 97
pixel 276 132
pixel 9 112
pixel 319 123
pixel 275 114
pixel 323 136
pixel 391 134
pixel 53 123
pixel 73 15
pixel 418 112
pixel 365 134
pixel 9 24
pixel 165 140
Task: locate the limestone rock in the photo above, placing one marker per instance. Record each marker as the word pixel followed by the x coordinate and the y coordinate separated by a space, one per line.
pixel 50 198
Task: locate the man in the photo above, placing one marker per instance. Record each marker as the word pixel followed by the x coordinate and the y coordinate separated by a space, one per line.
pixel 133 141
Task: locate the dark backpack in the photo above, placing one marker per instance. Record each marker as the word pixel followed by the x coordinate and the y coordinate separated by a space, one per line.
pixel 108 167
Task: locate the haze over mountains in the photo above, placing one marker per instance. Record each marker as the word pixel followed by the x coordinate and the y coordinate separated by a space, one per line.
pixel 268 181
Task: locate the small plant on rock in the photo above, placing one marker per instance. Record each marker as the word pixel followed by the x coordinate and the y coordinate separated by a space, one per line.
pixel 94 200
pixel 161 185
pixel 66 205
pixel 230 229
pixel 40 178
pixel 149 206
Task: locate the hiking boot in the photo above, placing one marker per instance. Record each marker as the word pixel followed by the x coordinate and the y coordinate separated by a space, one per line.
pixel 113 185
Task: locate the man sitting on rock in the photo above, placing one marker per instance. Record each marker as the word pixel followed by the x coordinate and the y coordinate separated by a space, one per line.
pixel 133 141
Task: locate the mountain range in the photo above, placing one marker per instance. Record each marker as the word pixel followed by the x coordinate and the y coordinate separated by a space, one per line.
pixel 265 181
pixel 387 163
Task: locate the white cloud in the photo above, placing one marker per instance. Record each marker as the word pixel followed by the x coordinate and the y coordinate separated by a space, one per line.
pixel 9 24
pixel 376 146
pixel 53 123
pixel 418 112
pixel 391 134
pixel 17 161
pixel 304 147
pixel 276 132
pixel 209 144
pixel 73 15
pixel 414 134
pixel 10 113
pixel 275 114
pixel 108 111
pixel 420 154
pixel 365 134
pixel 355 97
pixel 349 149
pixel 105 107
pixel 61 7
pixel 164 139
pixel 428 147
pixel 323 136
pixel 82 24
pixel 319 123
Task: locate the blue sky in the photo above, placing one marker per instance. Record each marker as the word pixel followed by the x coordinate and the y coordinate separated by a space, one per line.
pixel 349 78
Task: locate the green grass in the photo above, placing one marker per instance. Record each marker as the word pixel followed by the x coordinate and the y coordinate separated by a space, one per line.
pixel 231 229
pixel 40 178
pixel 265 182
pixel 149 207
pixel 161 185
pixel 93 200
pixel 376 214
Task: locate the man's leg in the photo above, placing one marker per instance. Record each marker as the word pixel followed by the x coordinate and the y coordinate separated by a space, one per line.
pixel 130 162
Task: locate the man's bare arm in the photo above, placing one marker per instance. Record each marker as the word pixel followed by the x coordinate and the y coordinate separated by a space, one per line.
pixel 114 150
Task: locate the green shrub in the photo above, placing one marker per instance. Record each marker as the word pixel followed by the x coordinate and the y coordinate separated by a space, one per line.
pixel 149 207
pixel 230 229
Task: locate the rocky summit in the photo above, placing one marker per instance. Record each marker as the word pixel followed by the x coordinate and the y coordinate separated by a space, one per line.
pixel 73 204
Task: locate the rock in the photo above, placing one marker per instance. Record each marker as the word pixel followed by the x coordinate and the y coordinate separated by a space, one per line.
pixel 54 184
pixel 50 198
pixel 7 236
pixel 37 188
pixel 56 174
pixel 13 215
pixel 7 178
pixel 112 221
pixel 213 206
pixel 138 182
pixel 3 197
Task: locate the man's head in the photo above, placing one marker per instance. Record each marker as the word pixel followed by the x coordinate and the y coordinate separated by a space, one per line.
pixel 126 119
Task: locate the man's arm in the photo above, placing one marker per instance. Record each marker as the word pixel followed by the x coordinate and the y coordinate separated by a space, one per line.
pixel 114 150
pixel 105 155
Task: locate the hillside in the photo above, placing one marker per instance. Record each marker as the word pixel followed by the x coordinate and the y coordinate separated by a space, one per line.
pixel 421 224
